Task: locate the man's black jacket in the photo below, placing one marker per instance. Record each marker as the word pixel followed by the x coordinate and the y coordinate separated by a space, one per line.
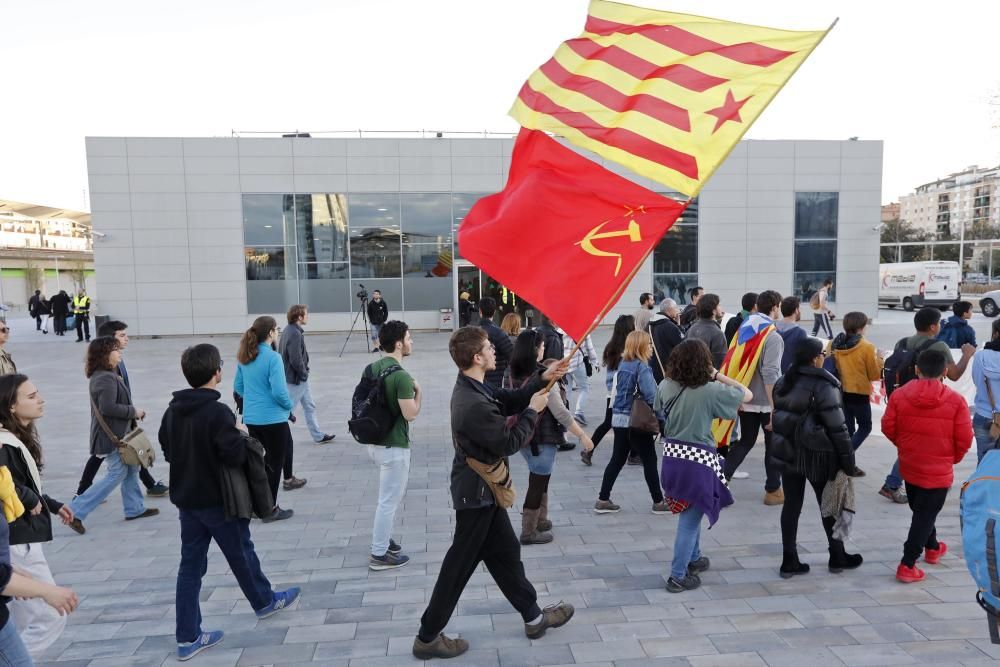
pixel 504 350
pixel 479 428
pixel 666 335
pixel 378 311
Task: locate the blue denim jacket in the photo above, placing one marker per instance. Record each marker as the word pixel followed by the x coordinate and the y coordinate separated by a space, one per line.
pixel 630 373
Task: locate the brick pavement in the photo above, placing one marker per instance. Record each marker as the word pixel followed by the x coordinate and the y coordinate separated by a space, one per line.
pixel 611 567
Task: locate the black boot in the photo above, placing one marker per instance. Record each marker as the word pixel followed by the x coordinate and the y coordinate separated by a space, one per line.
pixel 840 560
pixel 791 566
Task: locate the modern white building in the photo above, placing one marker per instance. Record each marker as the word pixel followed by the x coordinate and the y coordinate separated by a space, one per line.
pixel 201 235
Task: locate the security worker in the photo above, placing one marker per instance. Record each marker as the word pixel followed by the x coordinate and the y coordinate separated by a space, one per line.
pixel 81 310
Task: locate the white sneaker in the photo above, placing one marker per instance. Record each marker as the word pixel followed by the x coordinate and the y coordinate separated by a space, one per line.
pixel 739 474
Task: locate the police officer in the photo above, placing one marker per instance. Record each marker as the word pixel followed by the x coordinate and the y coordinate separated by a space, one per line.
pixel 81 310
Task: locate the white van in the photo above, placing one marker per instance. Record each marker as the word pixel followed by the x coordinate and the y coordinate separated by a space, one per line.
pixel 918 284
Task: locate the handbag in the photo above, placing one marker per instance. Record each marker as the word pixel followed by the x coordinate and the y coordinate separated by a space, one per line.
pixel 589 367
pixel 995 422
pixel 642 417
pixel 134 447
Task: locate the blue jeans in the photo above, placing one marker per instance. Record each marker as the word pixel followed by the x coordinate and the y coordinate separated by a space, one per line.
pixel 984 441
pixel 198 529
pixel 12 650
pixel 115 473
pixel 858 412
pixel 893 480
pixel 393 473
pixel 543 463
pixel 299 393
pixel 687 543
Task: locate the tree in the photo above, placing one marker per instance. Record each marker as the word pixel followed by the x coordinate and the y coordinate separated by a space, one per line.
pixel 901 231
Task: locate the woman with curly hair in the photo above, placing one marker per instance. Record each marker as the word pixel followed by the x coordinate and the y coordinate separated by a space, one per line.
pixel 613 351
pixel 111 398
pixel 690 397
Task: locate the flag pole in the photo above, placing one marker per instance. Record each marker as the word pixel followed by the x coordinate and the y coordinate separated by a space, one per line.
pixel 614 298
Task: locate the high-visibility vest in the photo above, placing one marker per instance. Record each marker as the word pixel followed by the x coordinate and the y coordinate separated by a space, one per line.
pixel 81 305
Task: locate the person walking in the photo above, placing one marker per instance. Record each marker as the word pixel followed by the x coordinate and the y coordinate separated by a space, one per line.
pixel 789 330
pixel 986 376
pixel 706 327
pixel 691 396
pixel 60 305
pixel 260 381
pixel 611 358
pixel 858 365
pixel 7 365
pixel 645 313
pixel 666 334
pixel 391 455
pixel 956 330
pixel 822 314
pixel 540 454
pixel 633 380
pixel 111 400
pixel 500 339
pixel 810 444
pixel 154 488
pixel 483 532
pixel 553 337
pixel 748 306
pixel 199 437
pixel 35 308
pixel 378 314
pixel 295 358
pixel 81 312
pixel 927 322
pixel 755 361
pixel 582 365
pixel 21 405
pixel 465 309
pixel 690 312
pixel 929 424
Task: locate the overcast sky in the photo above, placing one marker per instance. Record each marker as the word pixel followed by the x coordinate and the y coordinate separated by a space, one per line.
pixel 918 75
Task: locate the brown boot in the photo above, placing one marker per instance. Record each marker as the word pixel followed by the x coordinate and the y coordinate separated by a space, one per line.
pixel 543 514
pixel 776 497
pixel 529 528
pixel 553 616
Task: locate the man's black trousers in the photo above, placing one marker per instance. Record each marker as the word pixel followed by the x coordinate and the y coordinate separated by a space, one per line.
pixel 485 535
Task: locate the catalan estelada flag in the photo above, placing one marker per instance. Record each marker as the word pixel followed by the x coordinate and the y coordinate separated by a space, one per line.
pixel 565 234
pixel 666 95
pixel 741 363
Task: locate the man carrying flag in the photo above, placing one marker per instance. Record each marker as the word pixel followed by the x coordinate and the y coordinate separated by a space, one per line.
pixel 754 360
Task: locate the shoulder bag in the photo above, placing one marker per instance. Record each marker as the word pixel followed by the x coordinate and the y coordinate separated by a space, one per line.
pixel 995 421
pixel 642 417
pixel 134 447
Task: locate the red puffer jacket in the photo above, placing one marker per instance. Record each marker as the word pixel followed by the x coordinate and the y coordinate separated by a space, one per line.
pixel 930 425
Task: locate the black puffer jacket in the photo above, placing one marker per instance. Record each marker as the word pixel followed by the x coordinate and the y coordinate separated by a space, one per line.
pixel 810 432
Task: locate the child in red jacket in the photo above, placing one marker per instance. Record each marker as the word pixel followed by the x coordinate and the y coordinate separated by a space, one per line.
pixel 930 426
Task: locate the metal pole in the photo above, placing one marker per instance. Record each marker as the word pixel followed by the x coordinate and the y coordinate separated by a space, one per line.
pixel 58 284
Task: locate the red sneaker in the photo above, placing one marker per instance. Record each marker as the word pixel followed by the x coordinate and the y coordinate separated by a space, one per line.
pixel 909 575
pixel 933 556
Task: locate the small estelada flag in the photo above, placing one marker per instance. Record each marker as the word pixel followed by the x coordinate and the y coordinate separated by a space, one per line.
pixel 666 95
pixel 565 233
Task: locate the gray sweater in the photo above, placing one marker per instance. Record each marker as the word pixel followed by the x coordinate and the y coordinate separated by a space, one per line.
pixel 768 371
pixel 710 333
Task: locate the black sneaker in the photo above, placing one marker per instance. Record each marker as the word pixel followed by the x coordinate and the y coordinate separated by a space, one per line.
pixel 587 457
pixel 699 565
pixel 325 439
pixel 393 547
pixel 387 561
pixel 688 582
pixel 278 515
pixel 158 490
pixel 152 511
pixel 567 446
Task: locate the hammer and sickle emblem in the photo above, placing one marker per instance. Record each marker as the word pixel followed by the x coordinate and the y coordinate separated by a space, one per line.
pixel 633 232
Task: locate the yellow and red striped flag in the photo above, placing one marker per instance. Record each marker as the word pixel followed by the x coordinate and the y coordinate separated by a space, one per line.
pixel 666 95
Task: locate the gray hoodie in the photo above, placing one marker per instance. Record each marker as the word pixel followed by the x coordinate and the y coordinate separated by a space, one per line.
pixel 768 371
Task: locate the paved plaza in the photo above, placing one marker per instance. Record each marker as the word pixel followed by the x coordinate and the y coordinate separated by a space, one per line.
pixel 611 567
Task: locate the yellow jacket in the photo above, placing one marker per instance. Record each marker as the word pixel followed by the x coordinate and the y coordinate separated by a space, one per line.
pixel 858 365
pixel 12 507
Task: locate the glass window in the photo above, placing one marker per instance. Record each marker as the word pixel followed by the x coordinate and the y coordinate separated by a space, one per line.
pixel 392 294
pixel 461 204
pixel 426 218
pixel 427 260
pixel 677 251
pixel 379 211
pixel 321 227
pixel 816 256
pixel 270 263
pixel 806 282
pixel 268 220
pixel 375 240
pixel 326 292
pixel 816 215
pixel 674 286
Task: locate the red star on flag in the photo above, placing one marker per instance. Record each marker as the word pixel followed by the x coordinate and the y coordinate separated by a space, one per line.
pixel 730 110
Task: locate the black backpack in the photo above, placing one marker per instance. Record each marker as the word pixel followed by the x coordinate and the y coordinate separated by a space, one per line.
pixel 553 343
pixel 901 366
pixel 371 419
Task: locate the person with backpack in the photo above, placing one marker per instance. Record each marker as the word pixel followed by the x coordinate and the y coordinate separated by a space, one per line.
pixel 986 375
pixel 858 364
pixel 930 426
pixel 690 312
pixel 811 444
pixel 391 452
pixel 901 367
pixel 553 338
pixel 612 357
pixel 821 310
pixel 540 454
pixel 688 400
pixel 483 438
pixel 748 306
pixel 956 330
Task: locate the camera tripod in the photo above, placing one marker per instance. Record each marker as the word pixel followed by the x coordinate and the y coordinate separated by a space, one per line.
pixel 362 313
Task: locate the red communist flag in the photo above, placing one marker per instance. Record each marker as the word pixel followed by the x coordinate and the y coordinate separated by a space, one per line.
pixel 565 234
